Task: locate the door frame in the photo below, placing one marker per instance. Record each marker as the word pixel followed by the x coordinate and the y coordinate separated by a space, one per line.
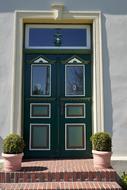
pixel 57 16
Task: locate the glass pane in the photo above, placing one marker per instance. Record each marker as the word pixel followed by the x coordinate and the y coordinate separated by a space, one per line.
pixel 41 80
pixel 40 110
pixel 75 136
pixel 57 37
pixel 39 136
pixel 74 82
pixel 75 110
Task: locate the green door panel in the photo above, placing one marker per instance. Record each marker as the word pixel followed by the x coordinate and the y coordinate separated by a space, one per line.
pixel 57 105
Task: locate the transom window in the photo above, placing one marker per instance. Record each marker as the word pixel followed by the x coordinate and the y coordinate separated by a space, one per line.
pixel 61 36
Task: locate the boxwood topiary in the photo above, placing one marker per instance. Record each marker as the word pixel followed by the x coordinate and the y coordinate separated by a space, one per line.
pixel 101 141
pixel 13 144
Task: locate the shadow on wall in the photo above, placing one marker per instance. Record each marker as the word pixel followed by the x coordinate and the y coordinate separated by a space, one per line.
pixel 108 110
pixel 1 142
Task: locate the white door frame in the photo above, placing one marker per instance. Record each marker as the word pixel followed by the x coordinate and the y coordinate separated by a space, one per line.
pixel 55 16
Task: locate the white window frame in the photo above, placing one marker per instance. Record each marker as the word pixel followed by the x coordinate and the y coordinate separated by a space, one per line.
pixel 87 27
pixel 32 95
pixel 84 105
pixel 57 15
pixel 43 104
pixel 75 65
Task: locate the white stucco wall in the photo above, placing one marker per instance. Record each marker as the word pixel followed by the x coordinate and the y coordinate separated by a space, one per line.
pixel 116 28
pixel 6 65
pixel 114 49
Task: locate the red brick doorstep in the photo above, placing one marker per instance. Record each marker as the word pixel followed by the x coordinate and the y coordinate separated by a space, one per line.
pixel 61 186
pixel 38 176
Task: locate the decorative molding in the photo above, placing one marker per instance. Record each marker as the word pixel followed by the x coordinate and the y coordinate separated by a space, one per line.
pixel 58 10
pixel 40 60
pixel 74 60
pixel 50 17
pixel 119 158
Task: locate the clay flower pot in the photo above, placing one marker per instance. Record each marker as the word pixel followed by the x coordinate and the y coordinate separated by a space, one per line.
pixel 102 159
pixel 12 162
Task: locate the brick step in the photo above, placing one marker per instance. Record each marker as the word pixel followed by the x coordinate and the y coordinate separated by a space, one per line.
pixel 61 186
pixel 43 176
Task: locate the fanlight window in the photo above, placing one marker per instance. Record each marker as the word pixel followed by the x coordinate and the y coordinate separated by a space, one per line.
pixel 61 37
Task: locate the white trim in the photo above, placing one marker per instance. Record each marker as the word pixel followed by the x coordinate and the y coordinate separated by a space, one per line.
pixel 40 60
pixel 75 65
pixel 49 114
pixel 119 158
pixel 74 60
pixel 78 17
pixel 30 136
pixel 98 104
pixel 31 87
pixel 82 124
pixel 84 105
pixel 87 27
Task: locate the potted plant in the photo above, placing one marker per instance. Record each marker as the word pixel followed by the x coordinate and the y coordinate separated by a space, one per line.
pixel 13 146
pixel 101 149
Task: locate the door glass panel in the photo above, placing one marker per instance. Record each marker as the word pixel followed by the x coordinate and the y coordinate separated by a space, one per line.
pixel 75 110
pixel 75 135
pixel 40 110
pixel 41 80
pixel 74 80
pixel 39 136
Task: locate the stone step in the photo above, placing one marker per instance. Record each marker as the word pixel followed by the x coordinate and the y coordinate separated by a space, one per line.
pixel 43 176
pixel 61 186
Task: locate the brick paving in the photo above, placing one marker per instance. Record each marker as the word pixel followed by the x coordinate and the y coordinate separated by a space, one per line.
pixel 59 174
pixel 62 185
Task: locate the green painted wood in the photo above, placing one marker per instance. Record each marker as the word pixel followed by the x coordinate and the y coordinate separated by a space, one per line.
pixel 57 101
pixel 59 51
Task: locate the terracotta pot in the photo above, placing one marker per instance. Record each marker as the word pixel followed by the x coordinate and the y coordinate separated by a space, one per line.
pixel 12 162
pixel 101 159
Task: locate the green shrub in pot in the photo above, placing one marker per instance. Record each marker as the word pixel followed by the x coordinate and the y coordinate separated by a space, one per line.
pixel 101 145
pixel 101 141
pixel 13 146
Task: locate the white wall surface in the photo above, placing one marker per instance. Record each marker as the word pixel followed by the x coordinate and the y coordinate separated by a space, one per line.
pixel 114 44
pixel 6 65
pixel 116 27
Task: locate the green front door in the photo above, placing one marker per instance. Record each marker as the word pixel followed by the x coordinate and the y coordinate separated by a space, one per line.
pixel 57 105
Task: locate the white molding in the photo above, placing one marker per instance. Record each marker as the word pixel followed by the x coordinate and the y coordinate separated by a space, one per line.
pixel 40 60
pixel 43 104
pixel 74 60
pixel 58 10
pixel 49 17
pixel 119 158
pixel 84 105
